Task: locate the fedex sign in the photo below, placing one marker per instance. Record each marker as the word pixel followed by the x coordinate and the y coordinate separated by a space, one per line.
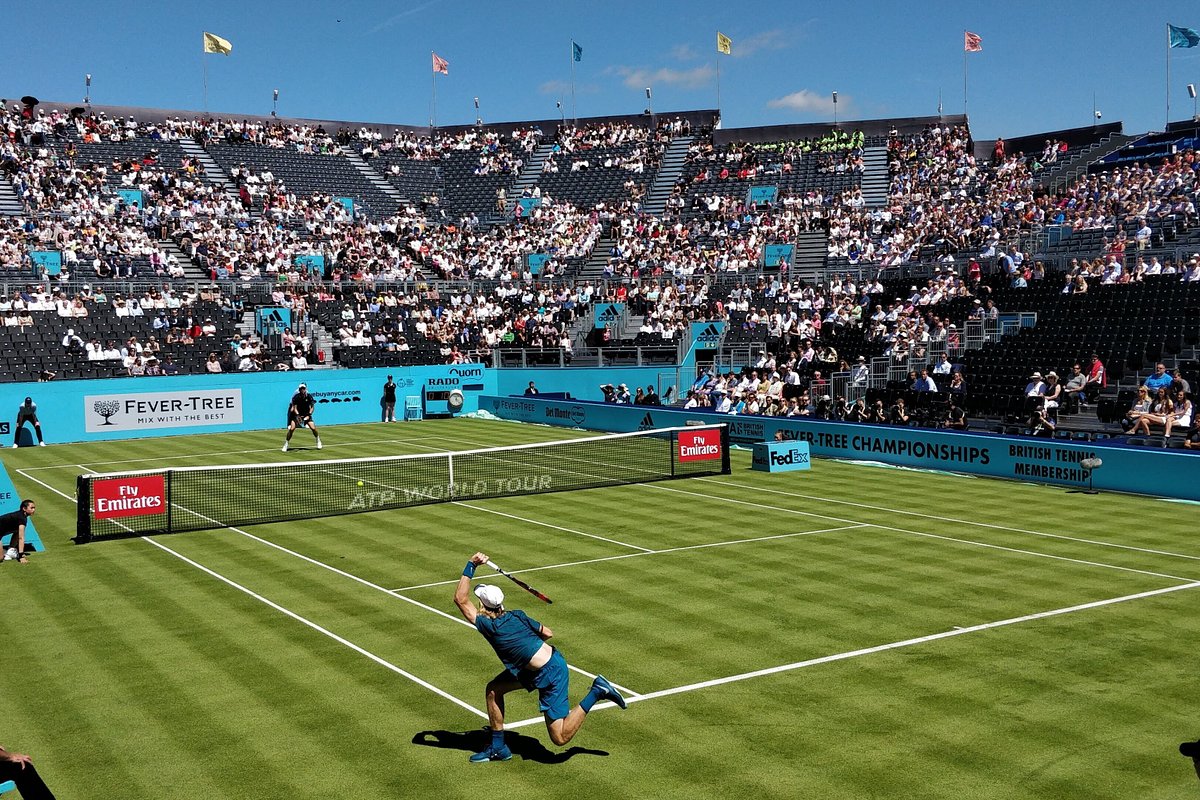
pixel 138 496
pixel 700 445
pixel 785 456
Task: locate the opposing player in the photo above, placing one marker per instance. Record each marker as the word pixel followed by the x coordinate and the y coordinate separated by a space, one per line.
pixel 530 662
pixel 27 412
pixel 300 413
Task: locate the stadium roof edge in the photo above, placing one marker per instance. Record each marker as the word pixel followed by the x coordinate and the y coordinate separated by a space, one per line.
pixel 698 118
pixel 870 127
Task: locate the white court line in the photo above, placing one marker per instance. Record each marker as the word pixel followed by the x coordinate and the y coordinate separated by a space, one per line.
pixel 919 533
pixel 910 642
pixel 297 617
pixel 882 527
pixel 340 640
pixel 825 659
pixel 644 550
pixel 947 519
pixel 359 580
pixel 652 553
pixel 225 453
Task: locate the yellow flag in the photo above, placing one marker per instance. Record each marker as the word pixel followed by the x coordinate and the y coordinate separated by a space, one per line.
pixel 215 44
pixel 723 43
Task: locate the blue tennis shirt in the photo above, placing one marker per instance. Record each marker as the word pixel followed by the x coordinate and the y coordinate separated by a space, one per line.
pixel 514 637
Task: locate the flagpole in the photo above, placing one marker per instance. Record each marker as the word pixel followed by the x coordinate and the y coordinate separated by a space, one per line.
pixel 574 116
pixel 718 60
pixel 432 93
pixel 964 72
pixel 204 69
pixel 1168 123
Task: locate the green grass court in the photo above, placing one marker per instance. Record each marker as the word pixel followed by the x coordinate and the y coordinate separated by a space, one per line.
pixel 852 632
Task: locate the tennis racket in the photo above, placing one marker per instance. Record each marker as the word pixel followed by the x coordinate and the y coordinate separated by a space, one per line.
pixel 520 583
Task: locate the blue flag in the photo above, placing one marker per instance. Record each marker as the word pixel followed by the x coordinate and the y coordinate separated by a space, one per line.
pixel 1182 37
pixel 577 51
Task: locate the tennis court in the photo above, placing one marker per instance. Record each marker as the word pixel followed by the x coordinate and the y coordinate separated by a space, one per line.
pixel 853 631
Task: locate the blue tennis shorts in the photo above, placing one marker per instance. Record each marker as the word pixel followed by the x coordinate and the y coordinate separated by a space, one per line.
pixel 551 682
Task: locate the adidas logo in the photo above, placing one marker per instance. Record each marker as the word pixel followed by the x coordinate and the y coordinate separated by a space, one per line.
pixel 710 333
pixel 608 314
pixel 647 423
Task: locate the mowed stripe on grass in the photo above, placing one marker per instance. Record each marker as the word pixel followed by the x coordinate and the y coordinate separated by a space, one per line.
pixel 1015 712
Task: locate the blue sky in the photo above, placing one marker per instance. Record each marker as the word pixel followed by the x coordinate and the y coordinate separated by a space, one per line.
pixel 370 60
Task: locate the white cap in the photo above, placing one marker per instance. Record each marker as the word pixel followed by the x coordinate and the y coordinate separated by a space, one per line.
pixel 490 596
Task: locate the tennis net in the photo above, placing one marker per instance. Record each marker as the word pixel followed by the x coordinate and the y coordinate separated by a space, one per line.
pixel 119 504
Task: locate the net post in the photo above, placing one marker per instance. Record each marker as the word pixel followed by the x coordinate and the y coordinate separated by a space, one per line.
pixel 450 488
pixel 725 468
pixel 83 508
pixel 170 506
pixel 673 451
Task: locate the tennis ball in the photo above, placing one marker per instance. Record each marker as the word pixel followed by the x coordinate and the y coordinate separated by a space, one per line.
pixel 360 483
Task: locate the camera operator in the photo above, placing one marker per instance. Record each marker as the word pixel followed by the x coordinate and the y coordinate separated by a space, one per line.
pixel 956 415
pixel 824 407
pixel 858 412
pixel 899 414
pixel 840 408
pixel 1041 423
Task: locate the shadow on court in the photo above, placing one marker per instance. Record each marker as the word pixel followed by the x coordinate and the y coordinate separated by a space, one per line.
pixel 526 748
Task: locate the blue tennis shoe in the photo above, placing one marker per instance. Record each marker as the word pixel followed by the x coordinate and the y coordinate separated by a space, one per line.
pixel 608 691
pixel 492 754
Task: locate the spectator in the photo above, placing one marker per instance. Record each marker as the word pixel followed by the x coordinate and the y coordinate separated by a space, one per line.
pixel 1097 379
pixel 1036 387
pixel 924 383
pixel 1073 391
pixel 1052 395
pixel 213 365
pixel 1159 380
pixel 531 389
pixel 1139 408
pixel 1162 410
pixel 1181 414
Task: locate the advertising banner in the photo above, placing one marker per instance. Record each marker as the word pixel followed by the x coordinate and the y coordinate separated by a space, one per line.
pixel 49 260
pixel 761 194
pixel 1128 469
pixel 777 255
pixel 136 410
pixel 607 313
pixel 131 197
pixel 134 496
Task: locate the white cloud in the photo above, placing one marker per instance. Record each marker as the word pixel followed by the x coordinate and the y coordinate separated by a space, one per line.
pixel 683 52
pixel 555 87
pixel 809 101
pixel 774 39
pixel 641 77
pixel 392 20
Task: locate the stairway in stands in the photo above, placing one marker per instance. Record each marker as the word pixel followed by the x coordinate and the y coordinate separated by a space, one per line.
pixel 808 257
pixel 668 172
pixel 1064 174
pixel 191 271
pixel 372 176
pixel 530 172
pixel 593 268
pixel 10 203
pixel 875 178
pixel 212 171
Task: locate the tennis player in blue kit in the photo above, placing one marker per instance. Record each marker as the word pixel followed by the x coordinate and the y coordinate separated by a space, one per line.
pixel 530 662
